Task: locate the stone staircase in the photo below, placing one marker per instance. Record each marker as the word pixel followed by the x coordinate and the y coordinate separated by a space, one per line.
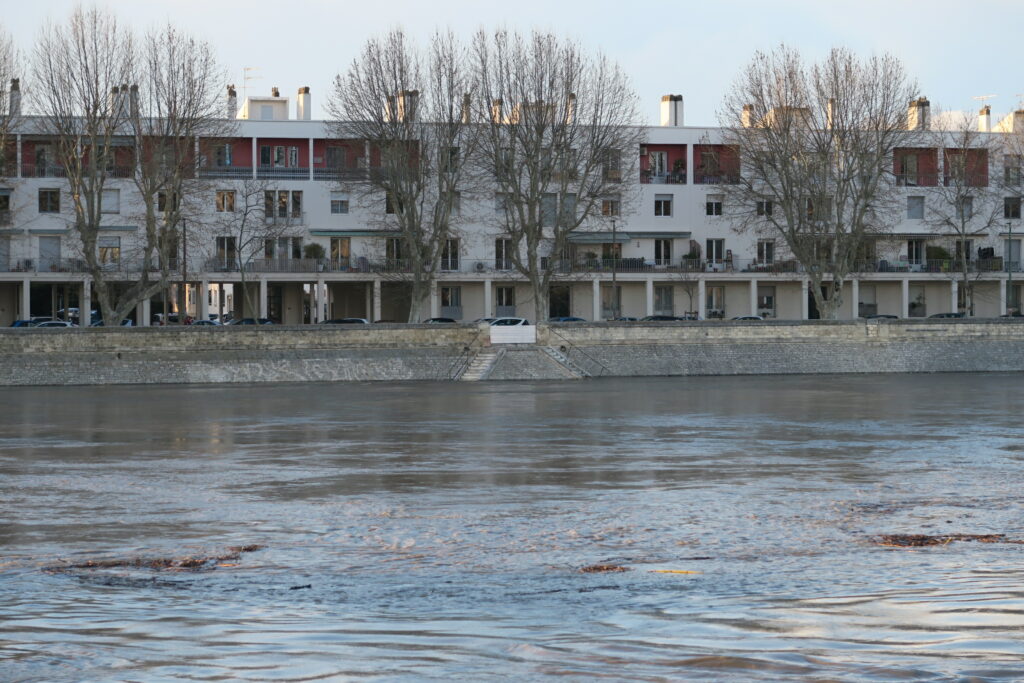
pixel 481 365
pixel 564 361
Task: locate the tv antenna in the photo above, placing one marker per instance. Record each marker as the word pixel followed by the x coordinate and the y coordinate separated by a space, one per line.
pixel 983 98
pixel 246 77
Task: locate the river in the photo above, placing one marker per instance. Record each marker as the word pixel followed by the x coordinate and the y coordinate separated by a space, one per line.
pixel 415 531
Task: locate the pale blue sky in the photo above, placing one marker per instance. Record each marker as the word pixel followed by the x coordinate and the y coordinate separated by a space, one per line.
pixel 956 49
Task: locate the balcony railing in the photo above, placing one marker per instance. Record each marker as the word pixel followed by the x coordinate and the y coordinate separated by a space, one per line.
pixel 282 173
pixel 57 171
pixel 225 172
pixel 716 179
pixel 917 179
pixel 290 218
pixel 674 178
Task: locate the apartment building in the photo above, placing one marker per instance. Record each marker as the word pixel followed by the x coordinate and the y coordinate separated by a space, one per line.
pixel 674 251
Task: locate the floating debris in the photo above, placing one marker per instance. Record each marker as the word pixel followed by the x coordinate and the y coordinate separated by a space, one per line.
pixel 187 563
pixel 298 588
pixel 924 540
pixel 599 568
pixel 675 571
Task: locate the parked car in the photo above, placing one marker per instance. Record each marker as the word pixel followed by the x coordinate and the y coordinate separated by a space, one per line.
pixel 485 320
pixel 747 317
pixel 566 319
pixel 207 323
pixel 347 321
pixel 252 321
pixel 24 323
pixel 946 315
pixel 124 323
pixel 503 322
pixel 440 320
pixel 662 318
pixel 626 319
pixel 56 323
pixel 881 316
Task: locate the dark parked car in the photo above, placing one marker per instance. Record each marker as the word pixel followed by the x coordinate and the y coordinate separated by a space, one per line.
pixel 566 319
pixel 881 316
pixel 665 318
pixel 24 323
pixel 252 321
pixel 347 321
pixel 127 322
pixel 946 315
pixel 440 320
pixel 747 317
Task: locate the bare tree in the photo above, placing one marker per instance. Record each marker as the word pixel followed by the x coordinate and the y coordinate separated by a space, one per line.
pixel 560 135
pixel 245 221
pixel 963 205
pixel 10 105
pixel 815 142
pixel 409 106
pixel 105 130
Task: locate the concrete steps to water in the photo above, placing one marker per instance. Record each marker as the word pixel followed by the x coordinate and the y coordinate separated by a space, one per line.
pixel 481 365
pixel 564 361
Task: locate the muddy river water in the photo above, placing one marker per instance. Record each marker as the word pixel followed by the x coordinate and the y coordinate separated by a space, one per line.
pixel 419 531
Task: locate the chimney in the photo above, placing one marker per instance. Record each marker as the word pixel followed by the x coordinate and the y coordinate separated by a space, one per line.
pixel 274 92
pixel 133 101
pixel 917 116
pixel 303 106
pixel 407 101
pixel 15 103
pixel 115 101
pixel 672 110
pixel 747 117
pixel 570 108
pixel 467 108
pixel 497 112
pixel 985 119
pixel 830 113
pixel 232 103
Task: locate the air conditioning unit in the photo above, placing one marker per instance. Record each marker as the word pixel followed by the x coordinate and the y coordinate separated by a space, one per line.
pixel 480 266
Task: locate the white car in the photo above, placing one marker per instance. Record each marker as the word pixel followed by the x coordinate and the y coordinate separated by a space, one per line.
pixel 56 323
pixel 503 322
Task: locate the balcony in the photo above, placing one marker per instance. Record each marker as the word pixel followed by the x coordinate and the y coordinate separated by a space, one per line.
pixel 674 178
pixel 282 173
pixel 917 179
pixel 225 172
pixel 716 179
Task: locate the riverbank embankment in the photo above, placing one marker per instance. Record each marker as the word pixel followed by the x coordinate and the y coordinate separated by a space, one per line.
pixel 200 355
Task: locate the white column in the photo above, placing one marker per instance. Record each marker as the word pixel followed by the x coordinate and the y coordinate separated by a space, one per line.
pixel 26 297
pixel 141 319
pixel 753 297
pixel 702 295
pixel 1002 297
pixel 691 171
pixel 435 301
pixel 85 304
pixel 595 286
pixel 263 298
pixel 377 315
pixel 953 285
pixel 855 299
pixel 488 299
pixel 318 301
pixel 368 299
pixel 311 158
pixel 905 296
pixel 17 156
pixel 204 300
pixel 805 312
pixel 650 296
pixel 255 158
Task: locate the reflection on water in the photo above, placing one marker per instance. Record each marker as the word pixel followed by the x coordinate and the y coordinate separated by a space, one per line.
pixel 429 530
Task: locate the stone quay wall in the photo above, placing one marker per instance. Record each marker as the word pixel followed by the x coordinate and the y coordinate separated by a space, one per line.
pixel 186 355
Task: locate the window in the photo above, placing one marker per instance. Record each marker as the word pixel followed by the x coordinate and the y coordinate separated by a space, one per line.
pixel 456 203
pixel 1011 207
pixel 276 203
pixel 450 160
pixel 568 209
pixel 907 170
pixel 766 300
pixel 225 201
pixel 663 300
pixel 965 208
pixel 335 157
pixel 766 251
pixel 505 295
pixel 819 209
pixel 964 248
pixel 451 296
pixel 1011 169
pixel 504 162
pixel 163 205
pixel 339 202
pixel 764 208
pixel 340 250
pixel 715 249
pixel 611 165
pixel 293 157
pixel 110 201
pixel 279 156
pixel 713 206
pixel 548 209
pixel 658 164
pixel 503 253
pixel 265 155
pixel 663 252
pixel 450 255
pixel 283 248
pixel 5 211
pixel 611 206
pixel 393 249
pixel 662 205
pixel 49 201
pixel 501 203
pixel 226 254
pixel 109 250
pixel 296 203
pixel 611 301
pixel 222 155
pixel 915 251
pixel 915 208
pixel 391 205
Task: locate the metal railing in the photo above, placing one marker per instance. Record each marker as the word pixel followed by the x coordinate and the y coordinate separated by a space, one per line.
pixel 578 357
pixel 282 172
pixel 225 172
pixel 673 178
